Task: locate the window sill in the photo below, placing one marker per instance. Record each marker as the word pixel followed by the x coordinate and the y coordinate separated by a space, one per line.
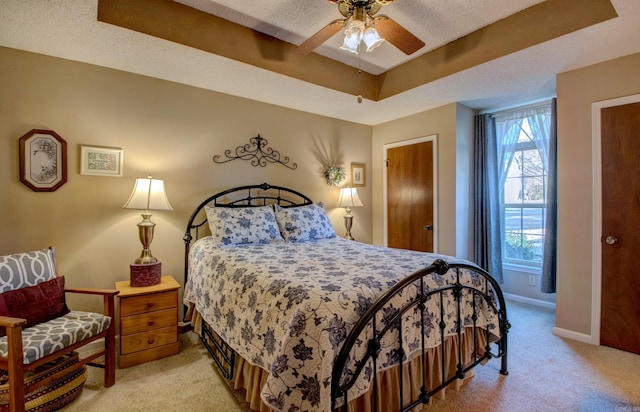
pixel 521 268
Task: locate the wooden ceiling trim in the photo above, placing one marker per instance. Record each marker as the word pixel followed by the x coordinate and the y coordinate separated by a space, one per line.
pixel 534 25
pixel 182 24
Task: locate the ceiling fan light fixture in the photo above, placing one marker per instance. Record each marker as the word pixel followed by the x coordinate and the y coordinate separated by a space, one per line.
pixel 360 24
pixel 371 38
pixel 353 36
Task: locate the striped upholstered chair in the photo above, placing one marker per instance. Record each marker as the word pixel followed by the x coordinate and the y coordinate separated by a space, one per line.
pixel 36 326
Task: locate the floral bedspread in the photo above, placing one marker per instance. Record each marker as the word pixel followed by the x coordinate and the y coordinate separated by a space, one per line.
pixel 288 307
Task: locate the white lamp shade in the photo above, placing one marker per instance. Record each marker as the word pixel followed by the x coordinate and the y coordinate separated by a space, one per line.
pixel 353 36
pixel 349 197
pixel 148 194
pixel 371 38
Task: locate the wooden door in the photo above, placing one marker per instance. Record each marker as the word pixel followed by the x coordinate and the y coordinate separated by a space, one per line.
pixel 410 197
pixel 620 296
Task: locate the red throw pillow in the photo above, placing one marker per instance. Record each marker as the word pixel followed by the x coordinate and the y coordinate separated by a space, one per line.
pixel 36 304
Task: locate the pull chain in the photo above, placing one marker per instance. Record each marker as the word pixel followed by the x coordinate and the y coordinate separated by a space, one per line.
pixel 359 98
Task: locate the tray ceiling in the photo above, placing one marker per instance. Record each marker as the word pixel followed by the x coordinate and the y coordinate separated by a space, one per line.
pixel 489 55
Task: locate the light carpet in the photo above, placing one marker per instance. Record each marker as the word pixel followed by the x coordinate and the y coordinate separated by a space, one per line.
pixel 546 373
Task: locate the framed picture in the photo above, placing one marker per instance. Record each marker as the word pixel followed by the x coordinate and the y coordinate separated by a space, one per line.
pixel 101 161
pixel 43 160
pixel 358 173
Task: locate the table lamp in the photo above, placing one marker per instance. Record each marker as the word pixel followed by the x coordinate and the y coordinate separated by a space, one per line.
pixel 348 199
pixel 148 194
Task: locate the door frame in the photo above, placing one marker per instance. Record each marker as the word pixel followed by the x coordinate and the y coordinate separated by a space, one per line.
pixel 596 252
pixel 431 138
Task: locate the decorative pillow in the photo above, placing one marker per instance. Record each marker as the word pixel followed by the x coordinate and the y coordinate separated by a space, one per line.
pixel 245 225
pixel 26 269
pixel 303 223
pixel 36 304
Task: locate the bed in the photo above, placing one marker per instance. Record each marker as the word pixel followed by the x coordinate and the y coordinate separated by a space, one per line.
pixel 303 320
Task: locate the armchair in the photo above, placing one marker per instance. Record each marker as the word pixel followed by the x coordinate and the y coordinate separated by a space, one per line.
pixel 36 326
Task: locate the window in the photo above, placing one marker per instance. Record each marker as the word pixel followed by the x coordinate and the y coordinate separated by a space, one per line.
pixel 522 156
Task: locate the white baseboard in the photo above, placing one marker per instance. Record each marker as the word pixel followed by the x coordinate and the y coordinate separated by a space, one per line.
pixel 560 332
pixel 530 301
pixel 569 334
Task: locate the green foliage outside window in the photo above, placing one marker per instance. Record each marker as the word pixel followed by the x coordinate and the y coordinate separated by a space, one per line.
pixel 518 247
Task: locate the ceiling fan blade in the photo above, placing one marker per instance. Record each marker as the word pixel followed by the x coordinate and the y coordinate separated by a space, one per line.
pixel 320 37
pixel 397 35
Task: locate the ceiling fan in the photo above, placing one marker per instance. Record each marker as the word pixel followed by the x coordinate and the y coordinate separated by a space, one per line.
pixel 363 25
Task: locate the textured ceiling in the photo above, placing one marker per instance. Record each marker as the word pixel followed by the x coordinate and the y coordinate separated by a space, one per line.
pixel 436 22
pixel 69 29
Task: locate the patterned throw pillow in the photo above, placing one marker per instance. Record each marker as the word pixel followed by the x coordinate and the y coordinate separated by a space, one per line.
pixel 36 304
pixel 242 226
pixel 304 223
pixel 26 269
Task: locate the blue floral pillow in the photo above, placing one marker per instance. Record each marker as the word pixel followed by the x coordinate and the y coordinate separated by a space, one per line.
pixel 303 223
pixel 240 226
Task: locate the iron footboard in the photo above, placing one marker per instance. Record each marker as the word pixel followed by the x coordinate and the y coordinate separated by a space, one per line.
pixel 348 366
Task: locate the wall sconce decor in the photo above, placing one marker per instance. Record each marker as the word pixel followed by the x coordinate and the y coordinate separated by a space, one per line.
pixel 148 194
pixel 348 198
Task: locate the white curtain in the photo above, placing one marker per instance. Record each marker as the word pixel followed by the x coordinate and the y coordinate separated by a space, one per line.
pixel 542 122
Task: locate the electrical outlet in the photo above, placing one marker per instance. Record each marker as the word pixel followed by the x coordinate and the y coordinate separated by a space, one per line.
pixel 532 280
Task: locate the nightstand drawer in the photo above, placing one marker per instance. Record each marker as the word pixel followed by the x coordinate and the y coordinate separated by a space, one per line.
pixel 148 340
pixel 148 321
pixel 148 303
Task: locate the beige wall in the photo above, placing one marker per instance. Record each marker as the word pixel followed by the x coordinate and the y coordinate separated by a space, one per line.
pixel 464 181
pixel 576 91
pixel 171 131
pixel 167 130
pixel 442 122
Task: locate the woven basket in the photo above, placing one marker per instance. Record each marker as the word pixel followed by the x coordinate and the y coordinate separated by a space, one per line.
pixel 56 393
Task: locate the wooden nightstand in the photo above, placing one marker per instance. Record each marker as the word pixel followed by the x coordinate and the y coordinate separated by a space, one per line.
pixel 148 321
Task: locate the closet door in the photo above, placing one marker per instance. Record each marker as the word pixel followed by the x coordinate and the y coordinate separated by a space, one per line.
pixel 410 197
pixel 620 297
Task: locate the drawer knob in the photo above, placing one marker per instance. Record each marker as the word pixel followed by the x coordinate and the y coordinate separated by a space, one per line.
pixel 150 341
pixel 150 304
pixel 150 323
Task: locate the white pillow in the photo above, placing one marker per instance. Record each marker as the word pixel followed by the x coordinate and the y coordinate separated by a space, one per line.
pixel 304 223
pixel 242 226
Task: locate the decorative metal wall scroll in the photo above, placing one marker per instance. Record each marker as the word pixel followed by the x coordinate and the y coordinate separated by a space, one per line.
pixel 261 155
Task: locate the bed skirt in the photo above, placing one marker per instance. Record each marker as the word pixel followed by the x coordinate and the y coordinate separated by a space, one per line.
pixel 252 378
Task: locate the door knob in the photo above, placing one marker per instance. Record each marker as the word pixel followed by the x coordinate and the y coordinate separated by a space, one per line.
pixel 611 240
pixel 428 227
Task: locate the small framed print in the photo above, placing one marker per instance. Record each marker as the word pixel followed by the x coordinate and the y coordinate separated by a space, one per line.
pixel 101 161
pixel 43 160
pixel 358 172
